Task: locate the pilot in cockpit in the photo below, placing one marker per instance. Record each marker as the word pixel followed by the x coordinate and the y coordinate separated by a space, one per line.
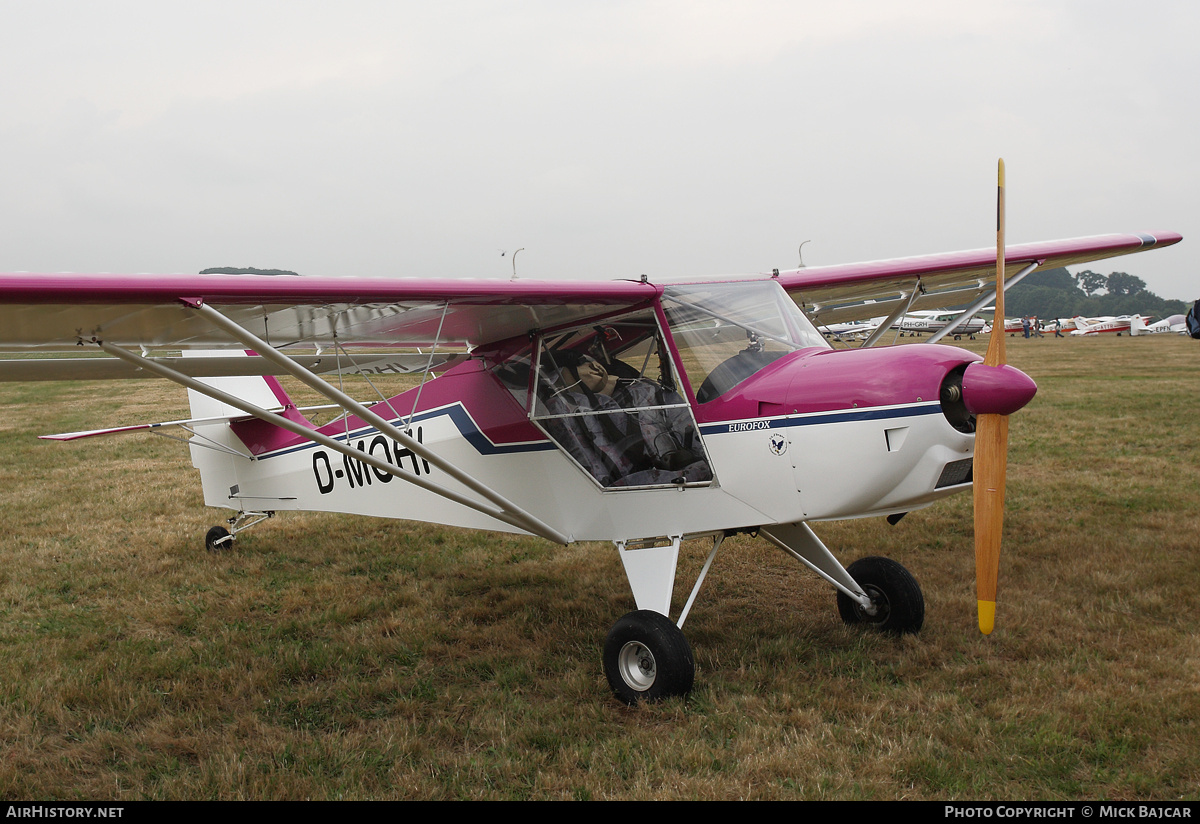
pixel 624 431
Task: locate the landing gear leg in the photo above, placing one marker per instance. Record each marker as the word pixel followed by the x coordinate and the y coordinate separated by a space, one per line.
pixel 646 656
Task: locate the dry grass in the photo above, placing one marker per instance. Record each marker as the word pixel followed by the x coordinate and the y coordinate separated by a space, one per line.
pixel 337 657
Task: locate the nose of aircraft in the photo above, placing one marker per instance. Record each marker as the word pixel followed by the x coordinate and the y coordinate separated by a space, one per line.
pixel 996 390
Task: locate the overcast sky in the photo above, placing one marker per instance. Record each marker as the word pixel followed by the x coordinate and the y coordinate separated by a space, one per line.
pixel 606 139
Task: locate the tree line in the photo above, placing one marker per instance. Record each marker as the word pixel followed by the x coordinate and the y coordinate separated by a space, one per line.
pixel 244 270
pixel 1056 293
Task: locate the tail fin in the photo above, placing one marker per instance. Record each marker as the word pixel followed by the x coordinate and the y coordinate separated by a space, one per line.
pixel 1137 325
pixel 219 467
pixel 264 392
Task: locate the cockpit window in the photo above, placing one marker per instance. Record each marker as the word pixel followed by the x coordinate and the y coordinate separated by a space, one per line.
pixel 607 394
pixel 727 332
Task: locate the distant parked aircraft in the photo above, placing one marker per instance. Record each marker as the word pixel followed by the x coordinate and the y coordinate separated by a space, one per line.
pixel 1174 323
pixel 1105 325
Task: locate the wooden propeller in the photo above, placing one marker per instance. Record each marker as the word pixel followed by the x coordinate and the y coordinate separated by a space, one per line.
pixel 991 451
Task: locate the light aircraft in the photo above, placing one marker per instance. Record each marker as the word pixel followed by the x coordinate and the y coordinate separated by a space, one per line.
pixel 1174 323
pixel 1058 325
pixel 633 412
pixel 1012 326
pixel 919 323
pixel 915 322
pixel 852 330
pixel 936 321
pixel 1105 325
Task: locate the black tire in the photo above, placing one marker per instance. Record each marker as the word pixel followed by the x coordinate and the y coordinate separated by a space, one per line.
pixel 899 604
pixel 216 534
pixel 647 658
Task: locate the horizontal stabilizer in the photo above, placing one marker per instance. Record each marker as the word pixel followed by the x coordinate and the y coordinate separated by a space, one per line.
pixel 146 427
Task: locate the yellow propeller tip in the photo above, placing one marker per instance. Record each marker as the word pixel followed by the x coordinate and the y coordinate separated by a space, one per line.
pixel 987 616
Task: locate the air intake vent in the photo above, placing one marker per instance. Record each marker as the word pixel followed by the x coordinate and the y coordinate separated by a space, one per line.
pixel 955 473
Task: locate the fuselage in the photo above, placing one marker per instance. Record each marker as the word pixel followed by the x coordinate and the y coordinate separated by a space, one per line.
pixel 770 430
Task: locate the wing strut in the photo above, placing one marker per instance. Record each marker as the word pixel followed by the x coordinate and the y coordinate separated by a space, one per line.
pixel 522 518
pixel 892 318
pixel 974 308
pixel 502 511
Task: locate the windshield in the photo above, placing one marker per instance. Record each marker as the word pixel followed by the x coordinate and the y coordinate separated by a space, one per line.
pixel 726 332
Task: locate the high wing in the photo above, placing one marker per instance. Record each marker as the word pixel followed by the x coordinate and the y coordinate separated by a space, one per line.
pixel 858 291
pixel 63 312
pixel 67 312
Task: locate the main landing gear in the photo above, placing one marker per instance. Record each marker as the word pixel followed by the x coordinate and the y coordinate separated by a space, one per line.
pixel 647 657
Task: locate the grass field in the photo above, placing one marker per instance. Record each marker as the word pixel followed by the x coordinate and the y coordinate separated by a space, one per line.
pixel 334 657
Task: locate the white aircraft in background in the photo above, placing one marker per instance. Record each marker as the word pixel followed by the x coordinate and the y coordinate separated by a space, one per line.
pixel 852 330
pixel 1011 326
pixel 911 323
pixel 935 321
pixel 1105 325
pixel 1174 323
pixel 1059 325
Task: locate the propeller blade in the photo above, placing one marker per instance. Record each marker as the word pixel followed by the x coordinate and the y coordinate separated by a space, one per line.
pixel 995 352
pixel 991 452
pixel 991 446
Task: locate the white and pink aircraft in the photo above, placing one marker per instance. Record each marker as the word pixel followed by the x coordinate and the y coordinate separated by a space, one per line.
pixel 638 413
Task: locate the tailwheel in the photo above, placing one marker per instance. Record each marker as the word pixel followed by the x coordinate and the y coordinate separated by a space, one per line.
pixel 647 658
pixel 218 539
pixel 897 605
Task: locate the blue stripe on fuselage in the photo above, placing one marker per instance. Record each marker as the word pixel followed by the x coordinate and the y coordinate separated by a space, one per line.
pixel 885 413
pixel 469 431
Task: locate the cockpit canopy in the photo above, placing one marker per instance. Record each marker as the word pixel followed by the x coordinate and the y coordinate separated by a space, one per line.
pixel 610 393
pixel 726 332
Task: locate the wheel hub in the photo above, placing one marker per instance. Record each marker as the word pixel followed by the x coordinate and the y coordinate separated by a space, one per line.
pixel 636 665
pixel 880 608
